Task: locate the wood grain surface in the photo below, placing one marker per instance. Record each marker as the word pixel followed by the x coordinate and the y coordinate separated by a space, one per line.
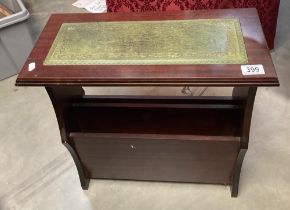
pixel 158 158
pixel 166 75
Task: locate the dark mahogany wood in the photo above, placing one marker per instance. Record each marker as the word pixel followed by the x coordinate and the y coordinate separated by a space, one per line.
pixel 169 75
pixel 237 172
pixel 155 118
pixel 201 159
pixel 84 179
pixel 247 94
pixel 213 131
pixel 159 138
pixel 61 99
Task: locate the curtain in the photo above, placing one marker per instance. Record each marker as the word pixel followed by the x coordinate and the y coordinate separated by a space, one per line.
pixel 267 9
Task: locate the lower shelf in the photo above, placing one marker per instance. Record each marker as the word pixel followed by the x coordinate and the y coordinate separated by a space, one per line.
pixel 179 158
pixel 157 139
pixel 157 117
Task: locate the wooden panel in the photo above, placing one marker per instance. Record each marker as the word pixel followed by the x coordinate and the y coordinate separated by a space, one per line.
pixel 157 157
pixel 198 75
pixel 149 120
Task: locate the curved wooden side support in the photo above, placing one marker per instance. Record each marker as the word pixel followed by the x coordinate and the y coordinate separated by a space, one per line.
pixel 237 172
pixel 247 94
pixel 84 181
pixel 62 98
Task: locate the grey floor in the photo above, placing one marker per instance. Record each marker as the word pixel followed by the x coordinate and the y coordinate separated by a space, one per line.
pixel 36 171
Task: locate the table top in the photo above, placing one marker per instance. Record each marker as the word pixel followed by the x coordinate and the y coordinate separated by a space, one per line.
pixel 42 68
pixel 176 42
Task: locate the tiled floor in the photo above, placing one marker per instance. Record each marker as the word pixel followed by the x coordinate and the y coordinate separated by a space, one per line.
pixel 36 171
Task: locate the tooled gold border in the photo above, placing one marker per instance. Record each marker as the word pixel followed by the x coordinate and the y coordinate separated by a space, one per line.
pixel 242 59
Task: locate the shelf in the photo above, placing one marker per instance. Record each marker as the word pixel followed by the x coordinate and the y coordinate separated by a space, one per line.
pixel 157 138
pixel 157 116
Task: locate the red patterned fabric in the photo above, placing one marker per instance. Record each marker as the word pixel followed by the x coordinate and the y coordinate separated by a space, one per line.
pixel 268 9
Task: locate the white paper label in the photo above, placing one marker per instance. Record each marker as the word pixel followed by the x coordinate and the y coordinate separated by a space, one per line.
pixel 82 3
pixel 31 66
pixel 99 6
pixel 94 6
pixel 252 69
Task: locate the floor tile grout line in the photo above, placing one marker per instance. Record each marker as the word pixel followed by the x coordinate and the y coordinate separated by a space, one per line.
pixel 49 169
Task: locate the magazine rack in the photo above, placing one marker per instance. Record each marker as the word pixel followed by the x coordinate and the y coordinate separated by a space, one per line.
pixel 158 138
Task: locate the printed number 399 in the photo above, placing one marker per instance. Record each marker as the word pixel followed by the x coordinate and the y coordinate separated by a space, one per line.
pixel 253 69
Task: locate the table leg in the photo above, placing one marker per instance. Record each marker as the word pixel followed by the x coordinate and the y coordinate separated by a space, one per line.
pixel 61 98
pixel 248 95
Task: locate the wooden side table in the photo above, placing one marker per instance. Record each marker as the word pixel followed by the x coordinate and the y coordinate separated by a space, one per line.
pixel 181 139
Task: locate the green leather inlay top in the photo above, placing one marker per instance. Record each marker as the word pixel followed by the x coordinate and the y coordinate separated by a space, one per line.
pixel 201 41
